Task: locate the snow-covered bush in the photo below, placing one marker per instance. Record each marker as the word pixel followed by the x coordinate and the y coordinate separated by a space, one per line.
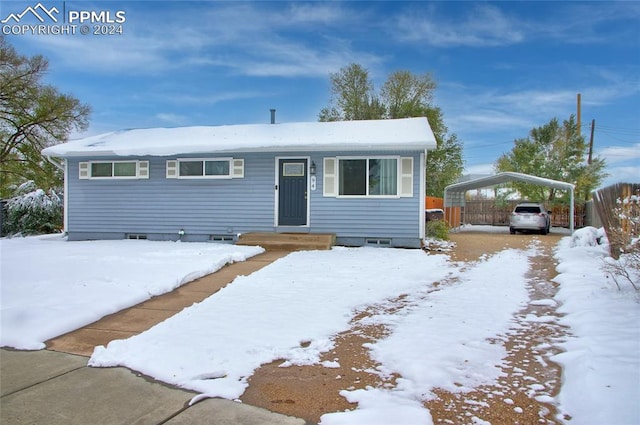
pixel 588 236
pixel 33 211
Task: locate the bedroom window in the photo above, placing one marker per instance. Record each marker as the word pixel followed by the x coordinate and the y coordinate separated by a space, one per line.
pixel 207 168
pixel 368 177
pixel 114 170
pixel 204 168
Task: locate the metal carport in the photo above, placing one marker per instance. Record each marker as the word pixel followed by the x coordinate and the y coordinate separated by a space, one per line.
pixel 454 194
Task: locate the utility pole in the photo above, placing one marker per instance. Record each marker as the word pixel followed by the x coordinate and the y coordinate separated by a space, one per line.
pixel 593 127
pixel 579 116
pixel 587 195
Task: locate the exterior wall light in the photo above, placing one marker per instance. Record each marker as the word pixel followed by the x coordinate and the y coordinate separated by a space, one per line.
pixel 312 169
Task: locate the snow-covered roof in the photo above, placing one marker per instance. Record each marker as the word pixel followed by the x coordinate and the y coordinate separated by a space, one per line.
pixel 398 134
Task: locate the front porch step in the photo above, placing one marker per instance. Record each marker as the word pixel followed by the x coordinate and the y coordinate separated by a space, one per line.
pixel 288 241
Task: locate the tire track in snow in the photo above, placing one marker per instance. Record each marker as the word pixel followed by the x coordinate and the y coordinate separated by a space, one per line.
pixel 524 395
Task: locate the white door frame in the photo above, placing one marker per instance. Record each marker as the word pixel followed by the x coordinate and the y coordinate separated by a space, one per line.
pixel 277 189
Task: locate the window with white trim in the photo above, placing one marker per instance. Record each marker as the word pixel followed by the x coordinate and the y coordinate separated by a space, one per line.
pixel 368 177
pixel 210 168
pixel 378 177
pixel 204 168
pixel 114 170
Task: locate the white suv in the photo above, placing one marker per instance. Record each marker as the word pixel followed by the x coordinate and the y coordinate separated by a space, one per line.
pixel 530 216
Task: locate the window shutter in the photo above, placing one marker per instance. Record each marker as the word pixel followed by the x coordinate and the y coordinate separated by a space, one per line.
pixel 329 177
pixel 406 177
pixel 143 169
pixel 172 169
pixel 237 169
pixel 84 169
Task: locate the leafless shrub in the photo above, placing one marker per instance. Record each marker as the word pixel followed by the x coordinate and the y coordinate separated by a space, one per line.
pixel 626 267
pixel 623 229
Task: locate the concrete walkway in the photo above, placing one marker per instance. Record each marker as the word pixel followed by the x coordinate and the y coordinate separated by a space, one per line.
pixel 55 386
pixel 141 317
pixel 46 387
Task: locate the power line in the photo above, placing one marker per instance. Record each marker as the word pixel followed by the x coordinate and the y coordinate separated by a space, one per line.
pixel 620 129
pixel 488 145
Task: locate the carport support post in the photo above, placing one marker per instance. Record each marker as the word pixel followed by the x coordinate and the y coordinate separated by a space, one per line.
pixel 571 212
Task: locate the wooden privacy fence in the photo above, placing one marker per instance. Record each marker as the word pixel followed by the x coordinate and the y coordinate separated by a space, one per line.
pixel 451 214
pixel 619 209
pixel 487 212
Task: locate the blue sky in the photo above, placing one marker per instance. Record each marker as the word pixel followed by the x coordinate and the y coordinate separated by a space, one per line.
pixel 502 68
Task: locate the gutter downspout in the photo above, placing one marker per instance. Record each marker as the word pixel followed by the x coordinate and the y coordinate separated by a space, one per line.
pixel 56 163
pixel 422 159
pixel 63 168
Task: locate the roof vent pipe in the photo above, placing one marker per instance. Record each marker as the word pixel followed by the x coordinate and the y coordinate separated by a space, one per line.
pixel 273 116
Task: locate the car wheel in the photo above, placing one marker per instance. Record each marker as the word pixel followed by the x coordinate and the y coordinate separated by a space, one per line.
pixel 543 231
pixel 512 230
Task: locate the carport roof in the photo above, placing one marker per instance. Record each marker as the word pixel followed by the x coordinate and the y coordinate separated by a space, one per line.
pixel 506 177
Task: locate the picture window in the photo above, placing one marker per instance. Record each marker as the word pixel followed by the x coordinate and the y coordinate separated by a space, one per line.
pixel 368 177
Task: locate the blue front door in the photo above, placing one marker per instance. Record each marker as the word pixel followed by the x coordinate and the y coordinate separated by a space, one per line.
pixel 292 192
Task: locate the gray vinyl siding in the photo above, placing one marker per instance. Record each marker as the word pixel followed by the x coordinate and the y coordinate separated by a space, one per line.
pixel 159 207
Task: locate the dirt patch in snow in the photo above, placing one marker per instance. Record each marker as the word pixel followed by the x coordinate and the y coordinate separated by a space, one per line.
pixel 522 396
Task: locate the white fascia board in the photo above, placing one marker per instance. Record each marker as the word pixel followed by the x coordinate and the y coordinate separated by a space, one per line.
pixel 270 149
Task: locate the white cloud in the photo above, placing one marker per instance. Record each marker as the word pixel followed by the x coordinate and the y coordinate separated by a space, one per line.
pixel 171 118
pixel 243 38
pixel 291 58
pixel 307 13
pixel 212 99
pixel 106 54
pixel 483 25
pixel 470 109
pixel 479 169
pixel 513 114
pixel 537 99
pixel 617 154
pixel 491 119
pixel 627 174
pixel 586 22
pixel 486 25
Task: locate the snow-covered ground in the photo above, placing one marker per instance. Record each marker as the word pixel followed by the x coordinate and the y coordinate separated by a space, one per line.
pixel 601 364
pixel 293 308
pixel 50 286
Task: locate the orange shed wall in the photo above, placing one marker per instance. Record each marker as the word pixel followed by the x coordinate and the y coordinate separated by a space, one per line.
pixel 431 202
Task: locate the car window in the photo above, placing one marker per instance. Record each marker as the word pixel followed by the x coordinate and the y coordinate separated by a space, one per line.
pixel 528 209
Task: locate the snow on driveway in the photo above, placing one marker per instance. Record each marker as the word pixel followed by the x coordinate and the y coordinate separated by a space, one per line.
pixel 215 346
pixel 50 286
